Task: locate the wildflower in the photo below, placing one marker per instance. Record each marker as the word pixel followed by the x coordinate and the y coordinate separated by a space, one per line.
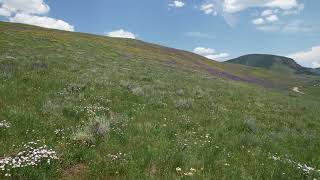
pixel 188 174
pixel 193 170
pixel 178 169
pixel 4 124
pixel 31 155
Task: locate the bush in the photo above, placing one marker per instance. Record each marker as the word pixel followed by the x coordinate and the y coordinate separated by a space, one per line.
pixel 84 136
pixel 97 128
pixel 100 126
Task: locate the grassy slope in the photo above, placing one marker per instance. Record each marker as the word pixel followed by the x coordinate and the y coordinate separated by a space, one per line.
pixel 166 112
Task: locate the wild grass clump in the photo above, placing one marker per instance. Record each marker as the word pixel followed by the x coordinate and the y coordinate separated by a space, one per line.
pixel 94 130
pixel 84 136
pixel 250 124
pixel 180 92
pixel 100 126
pixel 126 84
pixel 40 67
pixel 184 103
pixel 138 91
pixel 134 89
pixel 198 92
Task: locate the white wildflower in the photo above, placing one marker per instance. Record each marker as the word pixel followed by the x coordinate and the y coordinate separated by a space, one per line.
pixel 4 124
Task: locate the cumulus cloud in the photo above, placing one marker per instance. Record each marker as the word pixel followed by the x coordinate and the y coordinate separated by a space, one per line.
pixel 272 18
pixel 308 58
pixel 200 35
pixel 26 6
pixel 210 53
pixel 31 12
pixel 267 12
pixel 121 33
pixel 208 9
pixel 177 4
pixel 233 6
pixel 41 21
pixel 5 11
pixel 258 21
pixel 203 51
pixel 269 21
pixel 266 17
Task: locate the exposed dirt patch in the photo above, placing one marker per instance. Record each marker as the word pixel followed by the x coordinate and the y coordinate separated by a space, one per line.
pixel 75 172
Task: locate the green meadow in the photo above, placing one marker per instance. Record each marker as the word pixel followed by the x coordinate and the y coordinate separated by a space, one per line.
pixel 112 108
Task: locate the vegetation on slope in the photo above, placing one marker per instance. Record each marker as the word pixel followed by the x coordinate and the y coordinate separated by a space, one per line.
pixel 118 108
pixel 272 62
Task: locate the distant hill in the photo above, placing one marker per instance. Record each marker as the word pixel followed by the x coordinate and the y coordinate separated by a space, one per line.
pixel 316 70
pixel 273 62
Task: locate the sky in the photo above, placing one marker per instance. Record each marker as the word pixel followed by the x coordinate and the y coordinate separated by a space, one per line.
pixel 216 29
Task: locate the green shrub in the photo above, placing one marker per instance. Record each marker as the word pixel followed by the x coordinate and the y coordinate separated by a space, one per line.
pixel 95 129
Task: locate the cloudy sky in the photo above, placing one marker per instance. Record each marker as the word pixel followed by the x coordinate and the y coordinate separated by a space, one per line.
pixel 216 29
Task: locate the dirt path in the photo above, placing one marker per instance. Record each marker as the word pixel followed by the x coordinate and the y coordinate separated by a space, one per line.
pixel 296 89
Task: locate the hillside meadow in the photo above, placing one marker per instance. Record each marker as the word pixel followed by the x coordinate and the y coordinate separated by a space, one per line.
pixel 78 106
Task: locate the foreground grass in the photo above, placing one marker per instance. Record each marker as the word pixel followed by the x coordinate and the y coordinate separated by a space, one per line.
pixel 164 120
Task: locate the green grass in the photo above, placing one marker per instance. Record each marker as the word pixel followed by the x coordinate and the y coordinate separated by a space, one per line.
pixel 163 112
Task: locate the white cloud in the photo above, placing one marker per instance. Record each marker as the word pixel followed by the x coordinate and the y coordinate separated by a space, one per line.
pixel 267 12
pixel 208 9
pixel 233 6
pixel 272 18
pixel 5 11
pixel 121 34
pixel 219 57
pixel 41 21
pixel 200 35
pixel 309 58
pixel 283 4
pixel 297 26
pixel 26 6
pixel 267 18
pixel 258 21
pixel 294 11
pixel 203 51
pixel 316 64
pixel 210 53
pixel 31 12
pixel 177 4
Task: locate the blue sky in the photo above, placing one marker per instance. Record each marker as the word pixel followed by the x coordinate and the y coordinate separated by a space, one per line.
pixel 217 29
